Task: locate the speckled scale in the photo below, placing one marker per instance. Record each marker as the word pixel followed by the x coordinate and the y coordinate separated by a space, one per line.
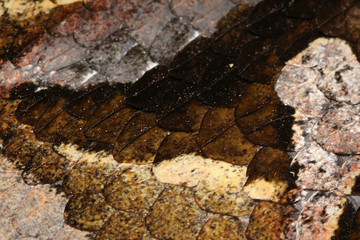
pixel 267 160
pixel 176 96
pixel 151 97
pixel 226 92
pixel 233 41
pixel 303 9
pixel 46 167
pixel 219 138
pixel 176 144
pixel 139 140
pixel 266 221
pixel 87 212
pixel 190 63
pixel 186 117
pixel 82 105
pixel 30 109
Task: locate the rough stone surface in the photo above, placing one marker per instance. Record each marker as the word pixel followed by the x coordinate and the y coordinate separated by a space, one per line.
pixel 315 168
pixel 333 125
pixel 324 80
pixel 338 131
pixel 31 211
pixel 321 214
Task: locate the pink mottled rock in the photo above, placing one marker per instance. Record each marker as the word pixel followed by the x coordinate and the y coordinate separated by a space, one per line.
pixel 315 168
pixel 31 212
pixel 203 14
pixel 350 172
pixel 341 82
pixel 60 52
pixel 326 69
pixel 14 76
pixel 154 18
pixel 324 54
pixel 321 214
pixel 68 25
pixel 99 25
pixel 296 87
pixel 302 128
pixel 338 130
pixel 70 233
pixel 10 179
pixel 342 85
pixel 322 84
pixel 40 213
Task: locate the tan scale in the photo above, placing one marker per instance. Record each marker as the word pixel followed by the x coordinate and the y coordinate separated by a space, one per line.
pixel 220 190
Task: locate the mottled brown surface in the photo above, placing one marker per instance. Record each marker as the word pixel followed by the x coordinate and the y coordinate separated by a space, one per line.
pixel 267 221
pixel 212 99
pixel 223 227
pixel 22 22
pixel 181 203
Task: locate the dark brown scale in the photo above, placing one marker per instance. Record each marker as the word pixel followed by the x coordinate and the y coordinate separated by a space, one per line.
pixel 203 72
pixel 304 9
pixel 225 93
pixel 84 105
pixel 219 138
pixel 139 140
pixel 52 122
pixel 152 76
pixel 30 109
pixel 150 98
pixel 176 144
pixel 233 41
pixel 272 164
pixel 191 62
pixel 177 95
pixel 272 25
pixel 217 69
pixel 264 119
pixel 186 117
pixel 108 119
pixel 107 129
pixel 355 231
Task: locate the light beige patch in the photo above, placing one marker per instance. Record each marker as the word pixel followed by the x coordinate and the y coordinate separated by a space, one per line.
pixel 262 189
pixel 221 190
pixel 25 9
pixel 185 170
